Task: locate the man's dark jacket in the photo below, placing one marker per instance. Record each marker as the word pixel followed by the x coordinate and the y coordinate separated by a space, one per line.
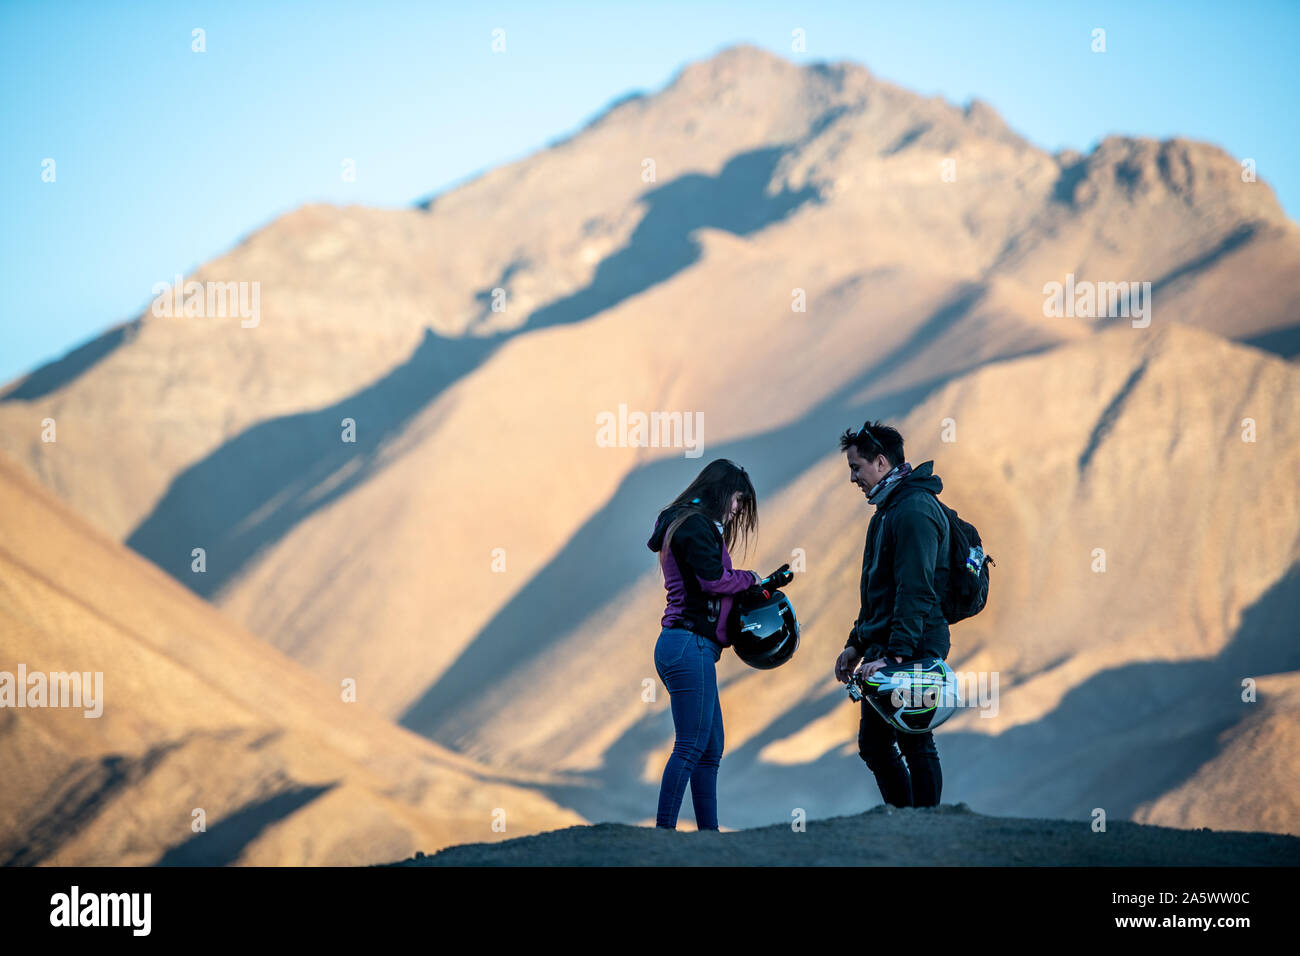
pixel 905 572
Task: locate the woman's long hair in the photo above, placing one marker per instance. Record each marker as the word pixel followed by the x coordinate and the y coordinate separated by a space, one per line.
pixel 714 486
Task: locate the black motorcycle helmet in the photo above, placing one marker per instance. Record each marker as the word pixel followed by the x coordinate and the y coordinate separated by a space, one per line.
pixel 766 633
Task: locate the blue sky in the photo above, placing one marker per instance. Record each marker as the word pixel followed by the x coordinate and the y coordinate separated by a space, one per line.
pixel 166 158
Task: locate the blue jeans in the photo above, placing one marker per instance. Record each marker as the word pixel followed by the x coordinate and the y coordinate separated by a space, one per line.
pixel 686 663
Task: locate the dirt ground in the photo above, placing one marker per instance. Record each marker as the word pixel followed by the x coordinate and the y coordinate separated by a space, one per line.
pixel 947 835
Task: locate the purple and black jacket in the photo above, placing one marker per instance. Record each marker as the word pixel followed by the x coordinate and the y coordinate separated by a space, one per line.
pixel 699 579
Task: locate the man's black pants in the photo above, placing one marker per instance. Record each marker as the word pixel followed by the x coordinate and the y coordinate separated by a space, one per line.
pixel 919 783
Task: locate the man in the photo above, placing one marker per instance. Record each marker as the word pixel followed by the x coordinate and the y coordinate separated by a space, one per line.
pixel 904 574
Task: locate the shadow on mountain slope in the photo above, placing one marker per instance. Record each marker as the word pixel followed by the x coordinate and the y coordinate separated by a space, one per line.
pixel 75 799
pixel 52 376
pixel 256 487
pixel 1284 342
pixel 223 843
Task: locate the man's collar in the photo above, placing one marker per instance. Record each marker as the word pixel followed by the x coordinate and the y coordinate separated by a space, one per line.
pixel 886 485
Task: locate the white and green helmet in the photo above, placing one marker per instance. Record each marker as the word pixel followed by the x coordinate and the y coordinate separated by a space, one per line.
pixel 914 697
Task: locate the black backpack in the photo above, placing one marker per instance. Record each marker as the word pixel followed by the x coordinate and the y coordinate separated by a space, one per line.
pixel 968 570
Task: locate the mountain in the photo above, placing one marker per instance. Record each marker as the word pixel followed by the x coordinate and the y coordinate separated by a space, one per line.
pixel 195 713
pixel 479 553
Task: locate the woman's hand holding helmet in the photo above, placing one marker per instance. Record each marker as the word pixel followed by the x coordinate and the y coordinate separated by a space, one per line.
pixel 777 579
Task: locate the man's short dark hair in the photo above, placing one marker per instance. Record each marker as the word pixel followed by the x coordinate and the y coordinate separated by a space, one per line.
pixel 872 439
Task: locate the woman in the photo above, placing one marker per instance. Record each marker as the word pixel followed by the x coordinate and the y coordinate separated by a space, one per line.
pixel 693 537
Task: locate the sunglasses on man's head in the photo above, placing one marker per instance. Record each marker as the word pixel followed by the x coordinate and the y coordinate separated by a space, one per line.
pixel 864 433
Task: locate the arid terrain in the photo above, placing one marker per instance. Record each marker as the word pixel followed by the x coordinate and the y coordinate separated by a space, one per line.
pixel 779 252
